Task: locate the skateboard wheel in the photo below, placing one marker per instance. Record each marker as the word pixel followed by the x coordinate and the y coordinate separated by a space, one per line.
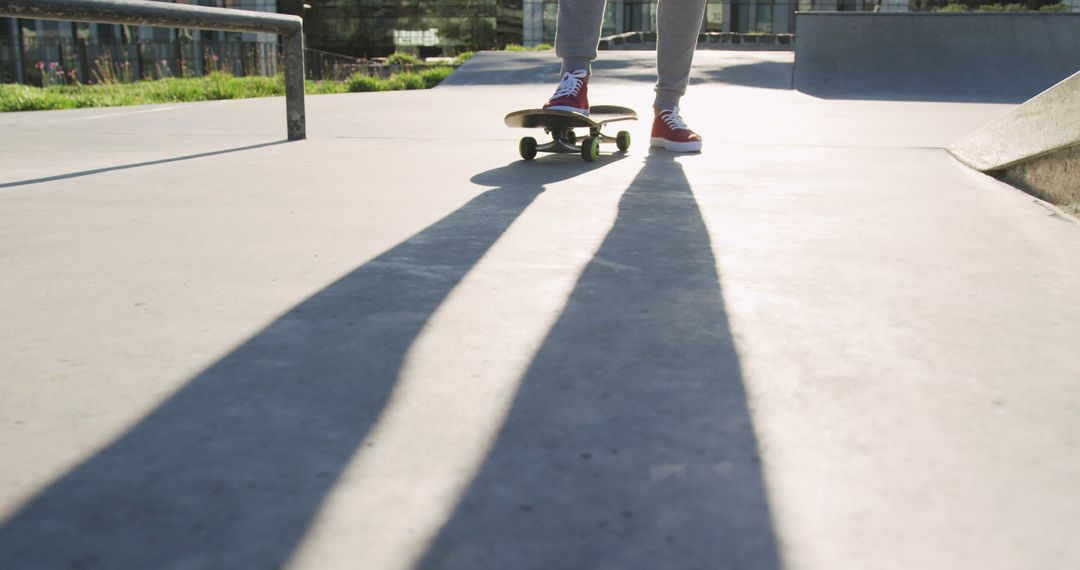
pixel 571 136
pixel 527 148
pixel 590 149
pixel 622 140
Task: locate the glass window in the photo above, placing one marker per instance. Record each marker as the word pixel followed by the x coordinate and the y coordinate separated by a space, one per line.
pixel 551 18
pixel 714 17
pixel 764 18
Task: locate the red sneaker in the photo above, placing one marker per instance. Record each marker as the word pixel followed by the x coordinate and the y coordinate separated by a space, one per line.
pixel 670 132
pixel 572 94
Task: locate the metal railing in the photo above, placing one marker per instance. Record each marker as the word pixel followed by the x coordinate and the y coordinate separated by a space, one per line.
pixel 142 13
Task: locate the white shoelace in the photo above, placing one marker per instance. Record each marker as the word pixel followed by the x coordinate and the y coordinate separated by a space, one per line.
pixel 673 120
pixel 570 84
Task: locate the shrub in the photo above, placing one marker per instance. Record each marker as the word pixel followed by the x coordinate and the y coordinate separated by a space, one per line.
pixel 465 55
pixel 410 81
pixel 325 87
pixel 951 8
pixel 402 58
pixel 1001 8
pixel 359 83
pixel 518 47
pixel 1062 7
pixel 434 76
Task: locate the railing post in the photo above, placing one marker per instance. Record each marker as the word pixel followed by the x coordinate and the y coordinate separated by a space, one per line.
pixel 17 53
pixel 296 122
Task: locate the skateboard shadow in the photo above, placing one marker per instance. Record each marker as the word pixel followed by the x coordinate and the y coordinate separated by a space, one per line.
pixel 229 471
pixel 629 444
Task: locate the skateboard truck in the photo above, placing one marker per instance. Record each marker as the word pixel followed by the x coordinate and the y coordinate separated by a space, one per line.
pixel 560 126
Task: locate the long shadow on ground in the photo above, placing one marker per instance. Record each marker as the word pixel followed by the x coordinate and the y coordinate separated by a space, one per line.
pixel 629 445
pixel 229 471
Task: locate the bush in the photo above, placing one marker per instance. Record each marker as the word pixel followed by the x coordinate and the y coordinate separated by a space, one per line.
pixel 990 8
pixel 410 81
pixel 518 47
pixel 434 76
pixel 951 8
pixel 402 58
pixel 360 83
pixel 465 55
pixel 1063 7
pixel 325 87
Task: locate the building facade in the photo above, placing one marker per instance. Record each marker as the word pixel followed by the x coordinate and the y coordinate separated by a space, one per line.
pixel 36 51
pixel 371 28
pixel 39 51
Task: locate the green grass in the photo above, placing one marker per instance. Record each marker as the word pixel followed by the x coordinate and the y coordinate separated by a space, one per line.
pixel 517 47
pixel 998 7
pixel 410 80
pixel 216 86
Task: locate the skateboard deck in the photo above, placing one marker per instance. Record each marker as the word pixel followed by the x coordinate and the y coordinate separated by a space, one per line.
pixel 561 124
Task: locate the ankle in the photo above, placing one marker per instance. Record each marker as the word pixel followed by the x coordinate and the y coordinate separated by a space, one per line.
pixel 572 64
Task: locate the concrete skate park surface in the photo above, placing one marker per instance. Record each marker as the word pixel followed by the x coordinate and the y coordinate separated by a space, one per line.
pixel 823 343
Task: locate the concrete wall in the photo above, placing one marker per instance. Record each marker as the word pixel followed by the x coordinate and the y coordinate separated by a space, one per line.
pixel 734 41
pixel 933 56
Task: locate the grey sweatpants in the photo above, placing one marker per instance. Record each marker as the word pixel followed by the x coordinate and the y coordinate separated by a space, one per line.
pixel 677 25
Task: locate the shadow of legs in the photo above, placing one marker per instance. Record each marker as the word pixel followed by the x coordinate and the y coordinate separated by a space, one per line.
pixel 228 472
pixel 629 445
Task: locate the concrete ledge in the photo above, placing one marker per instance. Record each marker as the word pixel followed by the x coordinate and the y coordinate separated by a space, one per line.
pixel 1035 147
pixel 1046 123
pixel 933 56
pixel 1054 177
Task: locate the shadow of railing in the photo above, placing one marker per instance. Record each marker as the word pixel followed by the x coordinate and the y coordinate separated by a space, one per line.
pixel 129 166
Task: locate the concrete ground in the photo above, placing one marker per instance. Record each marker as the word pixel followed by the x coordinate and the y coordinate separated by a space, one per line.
pixel 821 344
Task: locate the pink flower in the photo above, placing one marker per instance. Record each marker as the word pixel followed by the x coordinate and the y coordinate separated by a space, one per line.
pixel 52 65
pixel 165 62
pixel 40 65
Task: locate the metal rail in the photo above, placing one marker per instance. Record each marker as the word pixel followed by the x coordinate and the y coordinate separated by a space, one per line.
pixel 163 14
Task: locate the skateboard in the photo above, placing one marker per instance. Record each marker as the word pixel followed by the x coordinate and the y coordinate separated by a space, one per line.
pixel 561 124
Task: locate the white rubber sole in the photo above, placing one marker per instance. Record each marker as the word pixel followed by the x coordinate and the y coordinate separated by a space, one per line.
pixel 690 146
pixel 571 109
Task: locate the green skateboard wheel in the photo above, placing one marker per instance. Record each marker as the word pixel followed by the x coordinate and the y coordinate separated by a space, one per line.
pixel 590 149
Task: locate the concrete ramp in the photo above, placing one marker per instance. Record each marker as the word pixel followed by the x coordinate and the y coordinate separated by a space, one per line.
pixel 983 57
pixel 1035 146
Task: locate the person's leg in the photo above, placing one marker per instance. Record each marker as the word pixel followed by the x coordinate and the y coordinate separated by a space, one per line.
pixel 576 38
pixel 678 23
pixel 578 33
